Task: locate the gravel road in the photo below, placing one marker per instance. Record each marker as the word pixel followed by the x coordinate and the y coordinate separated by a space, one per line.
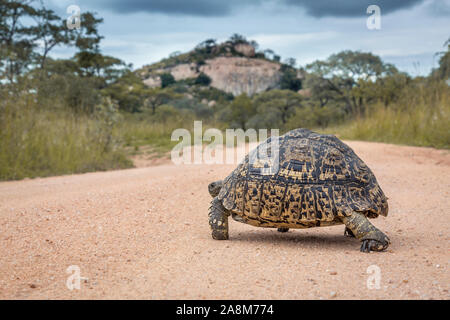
pixel 143 233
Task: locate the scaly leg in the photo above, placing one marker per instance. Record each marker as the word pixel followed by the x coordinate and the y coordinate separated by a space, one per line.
pixel 372 238
pixel 348 233
pixel 283 229
pixel 218 220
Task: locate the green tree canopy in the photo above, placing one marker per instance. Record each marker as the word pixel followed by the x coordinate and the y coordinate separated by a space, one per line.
pixel 167 79
pixel 289 79
pixel 203 79
pixel 17 39
pixel 443 71
pixel 342 74
pixel 239 111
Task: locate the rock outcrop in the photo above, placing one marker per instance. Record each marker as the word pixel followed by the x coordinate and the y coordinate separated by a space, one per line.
pixel 235 75
pixel 233 66
pixel 245 49
pixel 238 75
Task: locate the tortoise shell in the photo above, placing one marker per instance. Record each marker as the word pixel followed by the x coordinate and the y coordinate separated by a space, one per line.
pixel 313 180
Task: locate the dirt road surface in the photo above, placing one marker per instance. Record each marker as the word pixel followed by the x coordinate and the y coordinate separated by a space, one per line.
pixel 143 233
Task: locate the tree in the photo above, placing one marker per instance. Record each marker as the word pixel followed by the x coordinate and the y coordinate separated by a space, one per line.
pixel 275 107
pixel 166 80
pixel 291 62
pixel 50 30
pixel 237 38
pixel 206 46
pixel 312 117
pixel 203 79
pixel 342 74
pixel 386 89
pixel 269 54
pixel 239 111
pixel 157 96
pixel 17 40
pixel 91 62
pixel 25 44
pixel 289 79
pixel 129 92
pixel 443 71
pixel 86 38
pixel 254 44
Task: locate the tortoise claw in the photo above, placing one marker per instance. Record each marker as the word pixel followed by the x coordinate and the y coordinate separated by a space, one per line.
pixel 220 235
pixel 372 245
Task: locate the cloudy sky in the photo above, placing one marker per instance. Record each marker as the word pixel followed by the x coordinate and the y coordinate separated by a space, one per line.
pixel 144 31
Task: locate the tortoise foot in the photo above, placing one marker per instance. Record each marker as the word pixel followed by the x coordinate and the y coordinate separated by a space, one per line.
pixel 373 245
pixel 283 229
pixel 219 235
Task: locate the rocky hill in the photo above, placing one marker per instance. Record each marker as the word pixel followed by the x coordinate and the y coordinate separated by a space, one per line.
pixel 233 67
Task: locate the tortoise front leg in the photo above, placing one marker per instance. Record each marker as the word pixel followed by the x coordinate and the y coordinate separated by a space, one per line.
pixel 283 229
pixel 218 220
pixel 372 238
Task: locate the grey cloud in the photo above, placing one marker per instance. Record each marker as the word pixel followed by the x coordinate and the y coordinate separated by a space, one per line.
pixel 215 8
pixel 350 8
pixel 439 7
pixel 180 7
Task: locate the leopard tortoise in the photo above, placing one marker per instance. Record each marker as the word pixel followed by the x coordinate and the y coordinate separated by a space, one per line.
pixel 312 180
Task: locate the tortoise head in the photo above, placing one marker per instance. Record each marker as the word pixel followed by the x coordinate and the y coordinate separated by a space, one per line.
pixel 214 188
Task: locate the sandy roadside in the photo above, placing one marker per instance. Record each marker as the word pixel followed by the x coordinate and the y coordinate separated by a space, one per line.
pixel 143 233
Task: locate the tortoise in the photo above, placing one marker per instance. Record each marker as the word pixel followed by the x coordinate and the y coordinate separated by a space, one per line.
pixel 308 180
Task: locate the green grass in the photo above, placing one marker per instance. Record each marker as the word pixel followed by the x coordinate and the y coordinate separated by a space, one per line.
pixel 135 131
pixel 38 143
pixel 420 118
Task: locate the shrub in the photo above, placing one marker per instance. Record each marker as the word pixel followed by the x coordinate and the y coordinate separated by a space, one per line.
pixel 166 80
pixel 203 80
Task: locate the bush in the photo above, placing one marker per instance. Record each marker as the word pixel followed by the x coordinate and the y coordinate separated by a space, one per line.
pixel 315 117
pixel 194 107
pixel 203 80
pixel 166 80
pixel 166 112
pixel 211 93
pixel 62 91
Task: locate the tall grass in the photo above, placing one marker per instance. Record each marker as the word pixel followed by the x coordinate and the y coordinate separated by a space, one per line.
pixel 35 142
pixel 421 117
pixel 136 130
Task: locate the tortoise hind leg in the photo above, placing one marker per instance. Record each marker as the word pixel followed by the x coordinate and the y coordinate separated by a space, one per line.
pixel 218 220
pixel 283 229
pixel 372 238
pixel 348 233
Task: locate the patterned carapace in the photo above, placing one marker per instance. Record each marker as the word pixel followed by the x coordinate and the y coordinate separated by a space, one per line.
pixel 318 180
